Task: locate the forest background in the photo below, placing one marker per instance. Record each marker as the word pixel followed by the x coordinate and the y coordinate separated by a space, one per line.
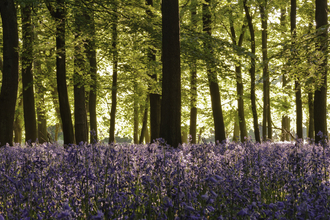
pixel 96 70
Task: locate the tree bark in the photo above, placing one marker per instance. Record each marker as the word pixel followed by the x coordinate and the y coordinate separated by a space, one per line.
pixel 320 95
pixel 266 121
pixel 91 56
pixel 80 114
pixel 193 81
pixel 136 115
pixel 59 14
pixel 27 75
pixel 252 73
pixel 144 122
pixel 311 129
pixel 18 122
pixel 219 125
pixel 297 84
pixel 9 85
pixel 239 83
pixel 114 74
pixel 236 128
pixel 155 102
pixel 170 128
pixel 41 114
pixel 285 118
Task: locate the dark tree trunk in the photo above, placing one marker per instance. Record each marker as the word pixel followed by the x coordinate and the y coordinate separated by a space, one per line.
pixel 91 56
pixel 297 84
pixel 60 17
pixel 155 104
pixel 193 82
pixel 18 122
pixel 27 76
pixel 241 117
pixel 266 121
pixel 114 75
pixel 239 83
pixel 144 122
pixel 80 114
pixel 136 115
pixel 170 128
pixel 285 118
pixel 41 114
pixel 252 73
pixel 311 129
pixel 320 96
pixel 236 128
pixel 219 125
pixel 9 85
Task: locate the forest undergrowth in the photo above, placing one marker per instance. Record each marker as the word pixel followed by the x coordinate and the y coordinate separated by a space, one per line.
pixel 154 181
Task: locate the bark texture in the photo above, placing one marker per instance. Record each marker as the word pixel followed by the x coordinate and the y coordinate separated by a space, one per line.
pixel 9 85
pixel 27 75
pixel 114 74
pixel 219 125
pixel 252 74
pixel 320 96
pixel 170 128
pixel 59 14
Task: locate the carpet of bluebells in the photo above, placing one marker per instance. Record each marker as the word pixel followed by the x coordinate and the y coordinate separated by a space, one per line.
pixel 154 181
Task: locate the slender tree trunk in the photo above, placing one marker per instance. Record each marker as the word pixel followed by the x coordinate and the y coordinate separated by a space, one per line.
pixel 114 75
pixel 252 73
pixel 285 118
pixel 297 84
pixel 193 81
pixel 41 114
pixel 311 129
pixel 9 85
pixel 136 115
pixel 219 125
pixel 27 76
pixel 18 122
pixel 239 83
pixel 266 122
pixel 144 122
pixel 320 96
pixel 80 114
pixel 236 128
pixel 155 102
pixel 91 56
pixel 170 128
pixel 59 14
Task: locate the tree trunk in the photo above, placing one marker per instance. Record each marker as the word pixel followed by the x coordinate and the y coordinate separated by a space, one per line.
pixel 285 118
pixel 80 114
pixel 297 84
pixel 252 73
pixel 136 115
pixel 91 56
pixel 18 122
pixel 266 121
pixel 320 96
pixel 239 83
pixel 155 103
pixel 60 17
pixel 170 128
pixel 114 75
pixel 219 125
pixel 311 129
pixel 41 114
pixel 9 85
pixel 144 122
pixel 193 82
pixel 27 75
pixel 236 128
